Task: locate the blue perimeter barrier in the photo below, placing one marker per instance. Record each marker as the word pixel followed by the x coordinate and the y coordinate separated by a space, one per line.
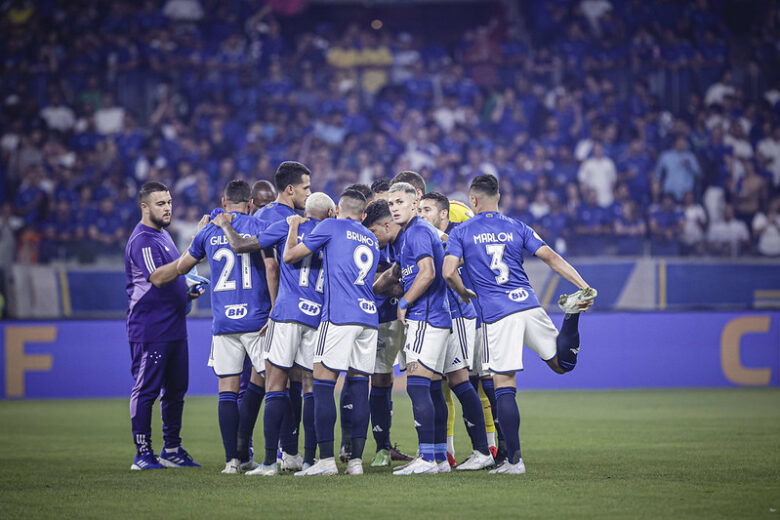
pixel 76 359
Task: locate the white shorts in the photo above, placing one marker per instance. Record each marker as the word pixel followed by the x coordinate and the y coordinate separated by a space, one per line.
pixel 290 343
pixel 478 367
pixel 460 344
pixel 228 351
pixel 426 345
pixel 344 347
pixel 390 342
pixel 504 339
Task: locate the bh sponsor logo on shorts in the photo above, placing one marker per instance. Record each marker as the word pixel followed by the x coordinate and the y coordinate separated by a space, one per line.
pixel 309 307
pixel 367 306
pixel 236 311
pixel 518 295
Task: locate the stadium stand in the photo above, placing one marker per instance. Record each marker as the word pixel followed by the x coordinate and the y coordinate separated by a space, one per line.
pixel 615 127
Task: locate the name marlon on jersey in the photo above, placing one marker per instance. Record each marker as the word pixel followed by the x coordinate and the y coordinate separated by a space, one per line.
pixel 483 238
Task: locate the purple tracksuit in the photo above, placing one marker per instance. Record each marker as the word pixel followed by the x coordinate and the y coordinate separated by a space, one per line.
pixel 157 332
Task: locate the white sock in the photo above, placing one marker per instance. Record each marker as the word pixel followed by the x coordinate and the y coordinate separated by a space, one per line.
pixel 451 445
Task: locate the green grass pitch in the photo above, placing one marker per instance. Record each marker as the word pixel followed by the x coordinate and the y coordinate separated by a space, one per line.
pixel 628 454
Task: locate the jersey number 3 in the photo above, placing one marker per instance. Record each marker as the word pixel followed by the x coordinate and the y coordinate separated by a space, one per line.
pixel 496 252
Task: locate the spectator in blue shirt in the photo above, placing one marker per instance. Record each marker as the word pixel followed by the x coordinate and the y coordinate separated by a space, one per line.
pixel 678 170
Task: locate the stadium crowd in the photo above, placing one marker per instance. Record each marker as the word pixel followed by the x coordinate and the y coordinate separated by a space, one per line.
pixel 615 127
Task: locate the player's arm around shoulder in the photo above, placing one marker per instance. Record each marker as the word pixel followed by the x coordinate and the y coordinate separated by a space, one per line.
pixel 237 243
pixel 293 250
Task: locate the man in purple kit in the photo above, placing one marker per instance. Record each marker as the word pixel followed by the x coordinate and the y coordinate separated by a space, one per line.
pixel 157 331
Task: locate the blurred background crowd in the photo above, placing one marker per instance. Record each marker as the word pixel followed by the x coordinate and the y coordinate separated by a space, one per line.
pixel 615 127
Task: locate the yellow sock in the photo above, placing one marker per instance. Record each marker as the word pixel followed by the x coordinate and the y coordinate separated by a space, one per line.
pixel 450 409
pixel 490 427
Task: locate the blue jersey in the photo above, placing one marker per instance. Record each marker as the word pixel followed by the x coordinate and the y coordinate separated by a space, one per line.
pixel 274 211
pixel 458 309
pixel 421 240
pixel 301 285
pixel 387 306
pixel 240 301
pixel 491 246
pixel 350 257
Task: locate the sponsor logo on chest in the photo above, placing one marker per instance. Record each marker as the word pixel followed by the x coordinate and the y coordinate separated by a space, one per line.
pixel 236 311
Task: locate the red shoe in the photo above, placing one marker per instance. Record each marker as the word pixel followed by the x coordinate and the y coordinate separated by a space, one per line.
pixel 451 459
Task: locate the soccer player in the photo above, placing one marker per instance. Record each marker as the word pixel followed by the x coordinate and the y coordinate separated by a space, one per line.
pixel 347 333
pixel 434 207
pixel 240 303
pixel 156 330
pixel 263 193
pixel 423 308
pixel 379 221
pixel 380 188
pixel 491 247
pixel 345 404
pixel 293 182
pixel 292 332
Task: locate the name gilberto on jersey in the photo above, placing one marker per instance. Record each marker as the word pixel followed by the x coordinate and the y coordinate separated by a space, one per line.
pixel 220 240
pixel 483 238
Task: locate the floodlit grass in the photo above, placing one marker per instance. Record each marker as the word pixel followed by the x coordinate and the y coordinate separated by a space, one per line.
pixel 631 454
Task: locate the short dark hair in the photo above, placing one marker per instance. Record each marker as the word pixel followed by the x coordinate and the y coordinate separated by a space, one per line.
pixel 238 191
pixel 355 203
pixel 262 185
pixel 380 185
pixel 487 184
pixel 149 188
pixel 413 178
pixel 362 188
pixel 289 172
pixel 376 211
pixel 441 201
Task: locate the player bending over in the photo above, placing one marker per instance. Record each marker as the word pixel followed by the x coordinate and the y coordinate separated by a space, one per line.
pixel 491 247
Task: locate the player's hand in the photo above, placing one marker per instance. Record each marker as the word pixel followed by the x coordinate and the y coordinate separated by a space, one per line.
pixel 263 328
pixel 470 295
pixel 296 220
pixel 401 314
pixel 222 219
pixel 203 221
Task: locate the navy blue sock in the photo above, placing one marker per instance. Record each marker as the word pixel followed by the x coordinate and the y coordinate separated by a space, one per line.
pixel 228 422
pixel 380 416
pixel 345 415
pixel 510 420
pixel 248 410
pixel 273 419
pixel 358 392
pixel 324 415
pixel 288 439
pixel 296 399
pixel 389 407
pixel 568 342
pixel 473 415
pixel 490 391
pixel 440 421
pixel 474 380
pixel 419 390
pixel 310 438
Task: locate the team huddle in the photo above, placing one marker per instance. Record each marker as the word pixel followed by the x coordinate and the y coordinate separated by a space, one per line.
pixel 384 276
